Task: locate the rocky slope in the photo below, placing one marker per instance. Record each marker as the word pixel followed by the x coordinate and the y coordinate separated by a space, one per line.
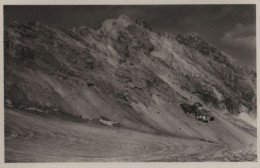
pixel 131 74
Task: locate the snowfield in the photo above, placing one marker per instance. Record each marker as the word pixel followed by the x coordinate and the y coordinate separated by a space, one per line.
pixel 33 138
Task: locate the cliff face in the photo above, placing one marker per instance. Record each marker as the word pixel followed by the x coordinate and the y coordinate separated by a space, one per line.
pixel 126 71
pixel 237 83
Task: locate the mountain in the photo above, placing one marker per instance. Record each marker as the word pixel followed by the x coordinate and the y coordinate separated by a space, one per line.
pixel 132 74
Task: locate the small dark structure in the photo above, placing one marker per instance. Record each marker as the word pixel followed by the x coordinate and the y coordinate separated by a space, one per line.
pixel 197 108
pixel 198 111
pixel 186 108
pixel 203 115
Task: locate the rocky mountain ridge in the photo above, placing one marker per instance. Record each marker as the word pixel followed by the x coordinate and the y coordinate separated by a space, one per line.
pixel 125 71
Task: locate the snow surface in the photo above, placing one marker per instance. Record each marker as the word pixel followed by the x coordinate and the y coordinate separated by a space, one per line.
pixel 245 117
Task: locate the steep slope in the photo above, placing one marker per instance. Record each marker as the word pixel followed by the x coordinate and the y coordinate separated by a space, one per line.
pixel 132 74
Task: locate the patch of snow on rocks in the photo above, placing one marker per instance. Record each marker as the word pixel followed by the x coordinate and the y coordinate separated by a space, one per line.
pixel 109 123
pixel 34 109
pixel 219 95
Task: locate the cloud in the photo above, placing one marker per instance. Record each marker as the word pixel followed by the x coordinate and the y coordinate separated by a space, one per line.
pixel 241 36
pixel 240 42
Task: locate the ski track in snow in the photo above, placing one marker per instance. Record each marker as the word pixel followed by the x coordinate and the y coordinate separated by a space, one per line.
pixel 32 138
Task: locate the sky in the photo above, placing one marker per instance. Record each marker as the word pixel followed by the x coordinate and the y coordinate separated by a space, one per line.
pixel 231 28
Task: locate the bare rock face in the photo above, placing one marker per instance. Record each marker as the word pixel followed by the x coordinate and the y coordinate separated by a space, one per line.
pixel 239 79
pixel 193 40
pixel 120 71
pixel 144 24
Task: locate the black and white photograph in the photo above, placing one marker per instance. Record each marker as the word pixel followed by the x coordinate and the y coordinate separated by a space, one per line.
pixel 130 83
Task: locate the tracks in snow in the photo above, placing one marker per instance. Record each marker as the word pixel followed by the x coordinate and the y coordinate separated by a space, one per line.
pixel 32 138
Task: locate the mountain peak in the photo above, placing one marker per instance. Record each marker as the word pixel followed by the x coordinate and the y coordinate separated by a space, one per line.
pixel 124 17
pixel 193 34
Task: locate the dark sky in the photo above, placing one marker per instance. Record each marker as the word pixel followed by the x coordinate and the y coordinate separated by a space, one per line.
pixel 231 28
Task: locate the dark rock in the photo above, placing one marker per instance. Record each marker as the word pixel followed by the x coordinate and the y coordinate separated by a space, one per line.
pixel 193 40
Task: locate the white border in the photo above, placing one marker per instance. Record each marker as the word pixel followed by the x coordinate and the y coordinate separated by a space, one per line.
pixel 121 164
pixel 123 2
